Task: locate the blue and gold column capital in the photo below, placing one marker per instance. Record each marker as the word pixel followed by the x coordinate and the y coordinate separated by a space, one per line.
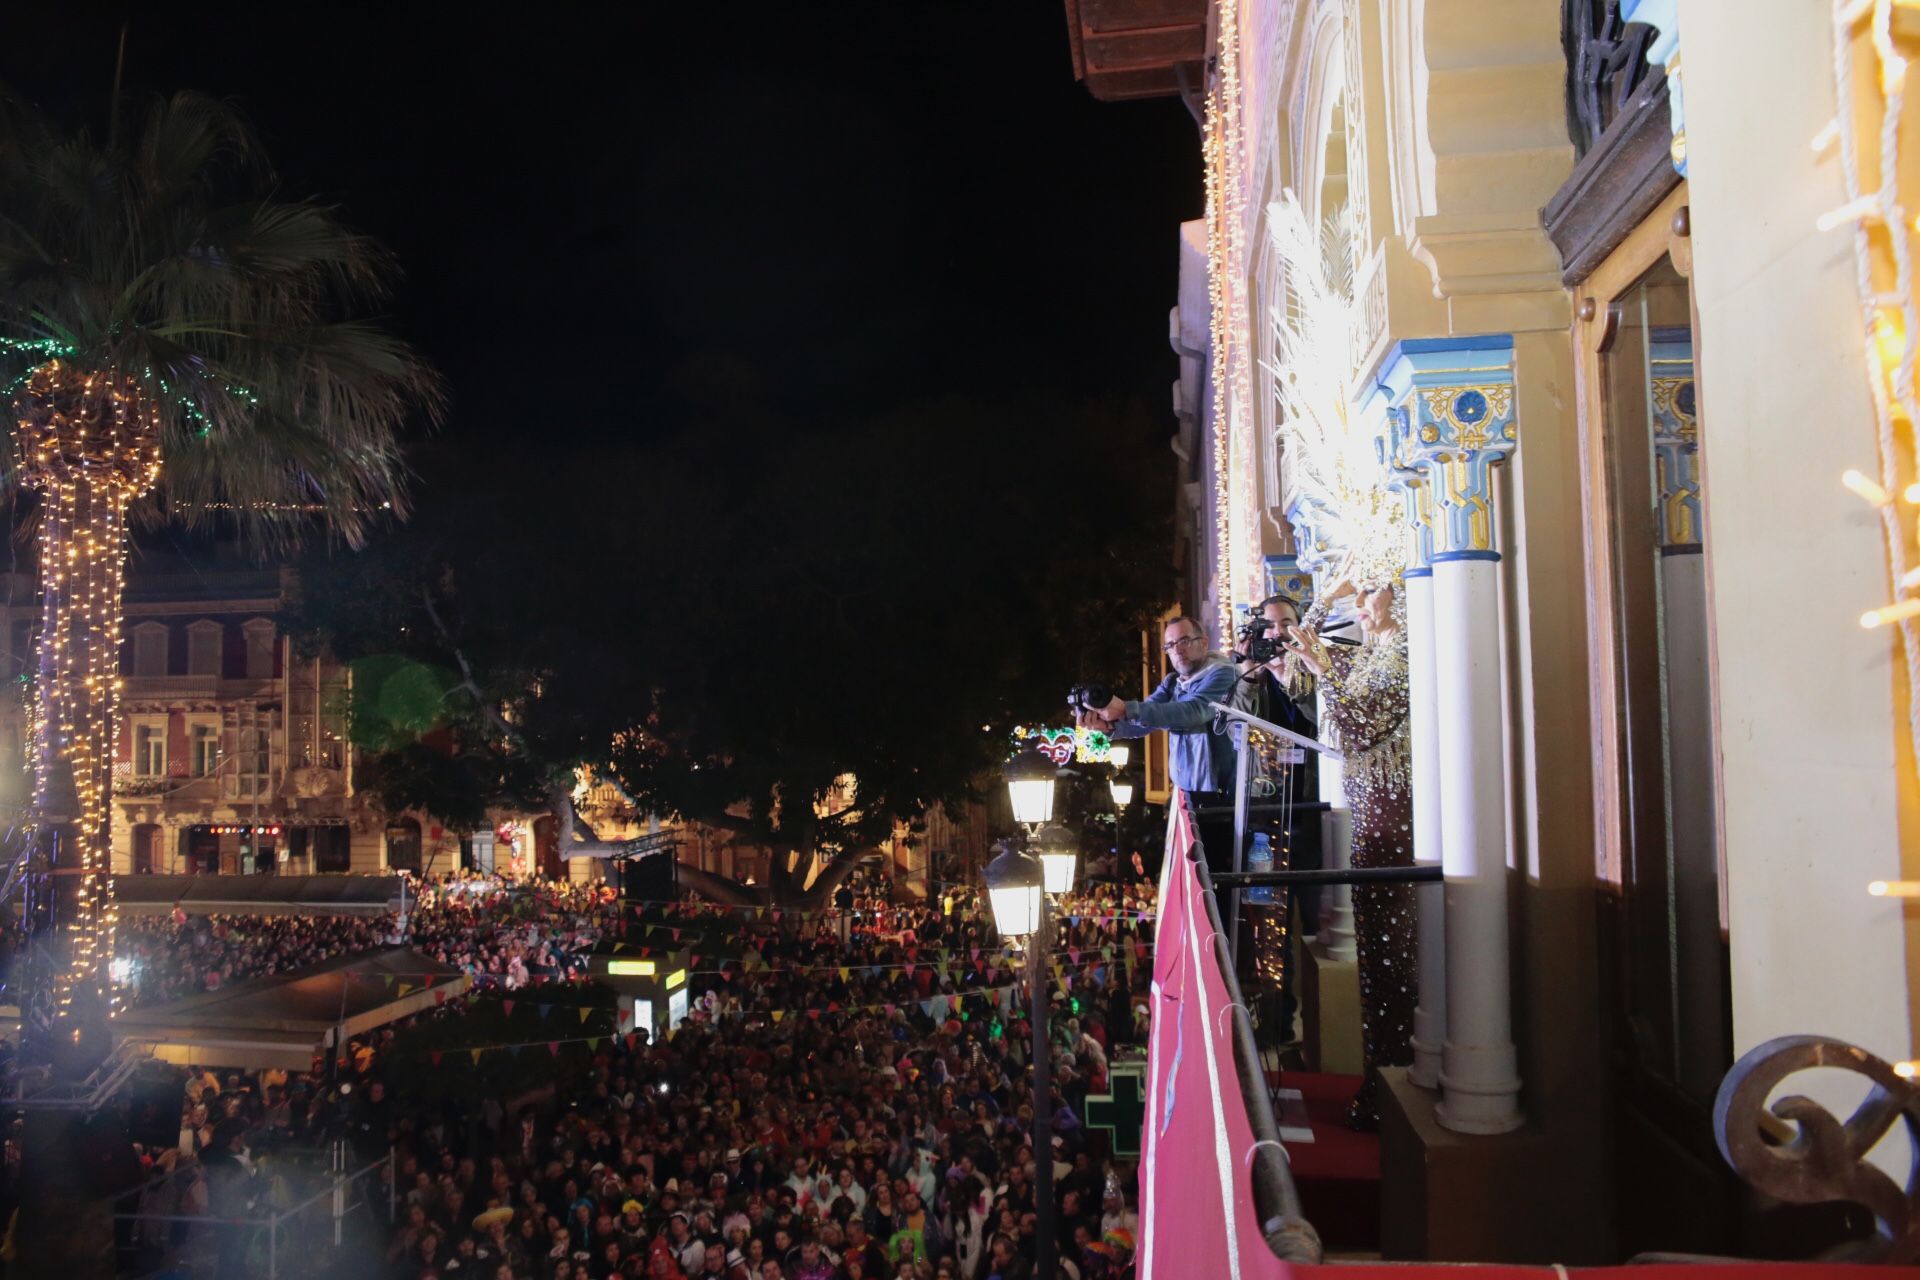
pixel 1286 577
pixel 1452 420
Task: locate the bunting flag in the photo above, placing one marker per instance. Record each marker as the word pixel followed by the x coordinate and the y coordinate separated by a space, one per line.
pixel 586 1011
pixel 435 1055
pixel 476 1055
pixel 553 1047
pixel 506 1007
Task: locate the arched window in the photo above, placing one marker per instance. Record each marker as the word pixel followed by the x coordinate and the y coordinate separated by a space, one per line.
pixel 150 649
pixel 204 639
pixel 260 643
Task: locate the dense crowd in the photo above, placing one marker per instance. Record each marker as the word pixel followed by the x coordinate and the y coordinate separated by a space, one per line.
pixel 495 930
pixel 850 1098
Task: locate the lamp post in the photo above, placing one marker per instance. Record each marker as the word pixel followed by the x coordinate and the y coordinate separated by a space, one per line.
pixel 1016 888
pixel 1030 778
pixel 1018 885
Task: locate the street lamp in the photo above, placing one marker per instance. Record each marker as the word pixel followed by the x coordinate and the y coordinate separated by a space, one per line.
pixel 1118 754
pixel 1015 890
pixel 1030 778
pixel 1059 856
pixel 1016 885
pixel 1122 793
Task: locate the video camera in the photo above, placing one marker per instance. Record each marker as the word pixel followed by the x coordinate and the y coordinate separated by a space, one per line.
pixel 1256 645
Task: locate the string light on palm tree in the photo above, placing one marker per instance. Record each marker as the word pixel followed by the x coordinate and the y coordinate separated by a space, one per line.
pixel 160 307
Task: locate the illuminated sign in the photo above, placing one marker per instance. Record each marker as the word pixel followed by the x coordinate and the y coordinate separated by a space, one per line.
pixel 630 968
pixel 1064 746
pixel 677 978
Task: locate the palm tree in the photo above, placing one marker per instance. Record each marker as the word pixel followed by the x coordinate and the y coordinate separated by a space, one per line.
pixel 177 343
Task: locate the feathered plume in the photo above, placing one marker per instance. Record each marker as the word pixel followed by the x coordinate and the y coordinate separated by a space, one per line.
pixel 1335 478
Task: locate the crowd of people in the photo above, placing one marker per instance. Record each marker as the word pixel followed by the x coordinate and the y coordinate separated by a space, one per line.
pixel 494 929
pixel 849 1098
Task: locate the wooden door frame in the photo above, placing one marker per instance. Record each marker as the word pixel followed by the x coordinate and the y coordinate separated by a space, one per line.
pixel 1663 233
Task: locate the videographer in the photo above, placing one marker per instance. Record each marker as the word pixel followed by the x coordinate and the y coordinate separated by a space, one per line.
pixel 1281 691
pixel 1201 762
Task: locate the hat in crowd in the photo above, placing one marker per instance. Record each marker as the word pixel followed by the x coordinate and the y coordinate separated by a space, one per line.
pixel 735 1258
pixel 486 1220
pixel 634 1205
pixel 733 1153
pixel 673 1186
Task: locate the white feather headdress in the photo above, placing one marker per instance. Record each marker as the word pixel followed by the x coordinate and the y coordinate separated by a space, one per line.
pixel 1335 478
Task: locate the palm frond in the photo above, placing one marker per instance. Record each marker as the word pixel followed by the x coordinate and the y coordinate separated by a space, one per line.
pixel 173 258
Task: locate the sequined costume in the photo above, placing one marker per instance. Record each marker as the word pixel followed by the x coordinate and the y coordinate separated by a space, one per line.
pixel 1366 718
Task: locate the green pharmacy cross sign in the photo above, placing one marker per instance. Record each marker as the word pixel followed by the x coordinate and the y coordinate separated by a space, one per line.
pixel 1121 1112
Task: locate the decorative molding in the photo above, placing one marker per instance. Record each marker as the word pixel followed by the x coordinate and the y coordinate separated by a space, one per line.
pixel 1664 17
pixel 1615 185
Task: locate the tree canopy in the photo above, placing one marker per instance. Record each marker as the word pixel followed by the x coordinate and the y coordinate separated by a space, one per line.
pixel 728 618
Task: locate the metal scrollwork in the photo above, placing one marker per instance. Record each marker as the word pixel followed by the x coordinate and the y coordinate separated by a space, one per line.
pixel 1606 62
pixel 1825 1160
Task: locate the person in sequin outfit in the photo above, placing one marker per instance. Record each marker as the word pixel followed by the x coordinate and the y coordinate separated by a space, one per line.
pixel 1365 716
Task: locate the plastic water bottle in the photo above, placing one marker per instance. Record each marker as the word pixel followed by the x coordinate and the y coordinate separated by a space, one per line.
pixel 1260 858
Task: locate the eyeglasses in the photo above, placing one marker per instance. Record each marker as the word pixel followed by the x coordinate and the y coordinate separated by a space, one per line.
pixel 1171 645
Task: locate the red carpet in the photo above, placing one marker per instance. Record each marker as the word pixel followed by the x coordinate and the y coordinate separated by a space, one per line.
pixel 1338 1173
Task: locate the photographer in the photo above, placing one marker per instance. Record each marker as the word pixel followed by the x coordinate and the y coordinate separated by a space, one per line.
pixel 1201 762
pixel 1281 691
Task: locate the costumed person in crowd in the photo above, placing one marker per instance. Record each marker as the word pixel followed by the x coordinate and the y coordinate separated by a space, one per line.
pixel 1366 718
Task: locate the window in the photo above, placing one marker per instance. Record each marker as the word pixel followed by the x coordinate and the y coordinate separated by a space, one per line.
pixel 150 747
pixel 260 645
pixel 203 648
pixel 150 649
pixel 403 846
pixel 256 758
pixel 332 849
pixel 203 747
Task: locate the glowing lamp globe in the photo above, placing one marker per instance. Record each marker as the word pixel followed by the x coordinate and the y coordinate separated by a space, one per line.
pixel 1030 778
pixel 1122 793
pixel 1059 857
pixel 1118 754
pixel 1015 881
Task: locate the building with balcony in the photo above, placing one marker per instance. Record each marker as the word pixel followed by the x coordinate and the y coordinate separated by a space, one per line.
pixel 1618 345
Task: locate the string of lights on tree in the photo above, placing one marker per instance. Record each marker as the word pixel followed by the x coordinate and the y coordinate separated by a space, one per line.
pixel 89 443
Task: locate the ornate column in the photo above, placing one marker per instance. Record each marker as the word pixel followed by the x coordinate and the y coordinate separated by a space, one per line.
pixel 1409 481
pixel 1456 396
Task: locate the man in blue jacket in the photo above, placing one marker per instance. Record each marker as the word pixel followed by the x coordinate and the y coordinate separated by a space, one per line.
pixel 1201 761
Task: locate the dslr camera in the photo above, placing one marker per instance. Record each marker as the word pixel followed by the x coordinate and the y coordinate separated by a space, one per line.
pixel 1089 697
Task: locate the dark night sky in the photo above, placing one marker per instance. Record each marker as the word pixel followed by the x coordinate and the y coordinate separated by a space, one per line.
pixel 614 217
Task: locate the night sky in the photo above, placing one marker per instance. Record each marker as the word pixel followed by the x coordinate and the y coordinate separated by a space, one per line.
pixel 613 219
